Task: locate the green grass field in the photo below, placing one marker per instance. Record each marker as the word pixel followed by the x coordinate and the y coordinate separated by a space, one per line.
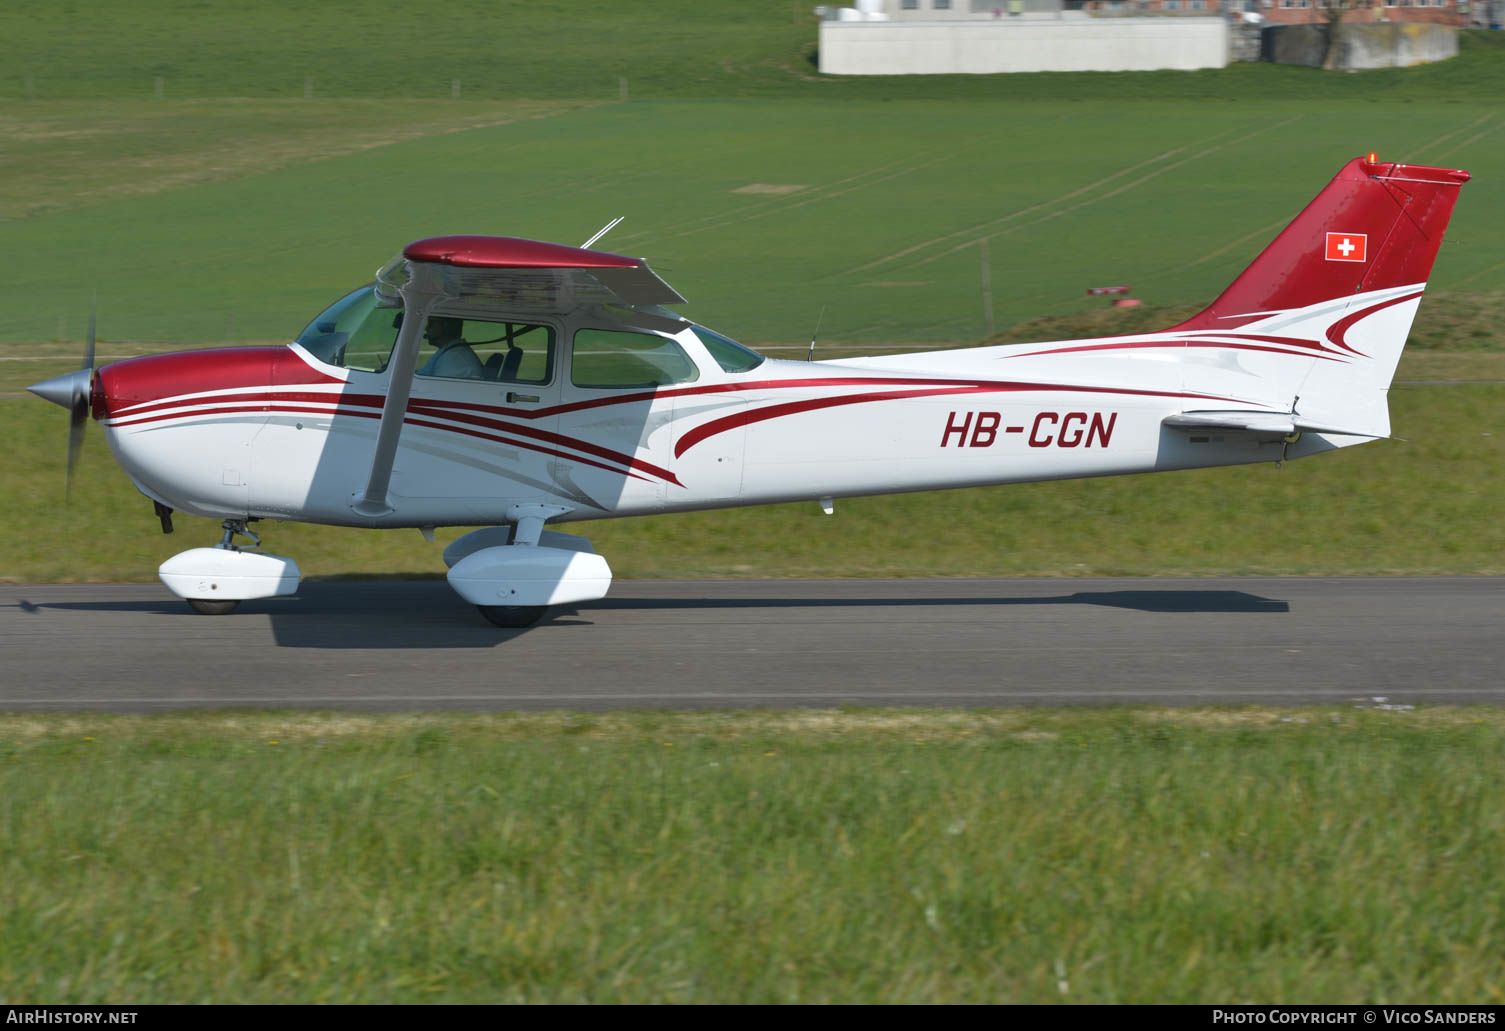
pixel 197 238
pixel 221 221
pixel 1100 856
pixel 1194 856
pixel 232 209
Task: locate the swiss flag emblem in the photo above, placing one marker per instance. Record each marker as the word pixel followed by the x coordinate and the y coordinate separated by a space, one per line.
pixel 1347 246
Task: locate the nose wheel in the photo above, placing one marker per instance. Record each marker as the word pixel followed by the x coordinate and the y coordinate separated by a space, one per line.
pixel 211 607
pixel 513 617
pixel 213 581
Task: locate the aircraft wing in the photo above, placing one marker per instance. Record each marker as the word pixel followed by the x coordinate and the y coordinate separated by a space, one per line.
pixel 527 275
pixel 1270 423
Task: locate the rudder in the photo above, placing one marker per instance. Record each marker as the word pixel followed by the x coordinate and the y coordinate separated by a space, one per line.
pixel 1344 280
pixel 1376 225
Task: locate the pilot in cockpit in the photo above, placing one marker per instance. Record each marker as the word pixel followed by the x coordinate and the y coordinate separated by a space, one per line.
pixel 453 356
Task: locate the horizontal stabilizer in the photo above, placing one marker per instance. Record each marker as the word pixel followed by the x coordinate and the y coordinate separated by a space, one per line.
pixel 1270 423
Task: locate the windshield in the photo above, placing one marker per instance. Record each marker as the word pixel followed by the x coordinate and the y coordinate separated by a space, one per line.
pixel 730 355
pixel 356 332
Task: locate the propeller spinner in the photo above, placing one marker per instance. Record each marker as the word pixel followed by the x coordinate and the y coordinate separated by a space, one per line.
pixel 71 391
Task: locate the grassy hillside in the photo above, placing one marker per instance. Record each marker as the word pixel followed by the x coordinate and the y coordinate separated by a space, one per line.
pixel 506 49
pixel 191 233
pixel 232 209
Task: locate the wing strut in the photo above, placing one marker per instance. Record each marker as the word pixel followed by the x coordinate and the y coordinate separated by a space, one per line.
pixel 419 296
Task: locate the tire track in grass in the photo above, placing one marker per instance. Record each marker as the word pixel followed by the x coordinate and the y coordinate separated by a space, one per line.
pixel 801 200
pixel 1106 196
pixel 1009 217
pixel 1475 275
pixel 1475 138
pixel 1047 203
pixel 1439 141
pixel 1284 220
pixel 758 208
pixel 1210 255
pixel 968 231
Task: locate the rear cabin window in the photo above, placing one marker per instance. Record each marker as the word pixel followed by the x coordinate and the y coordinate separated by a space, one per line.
pixel 616 358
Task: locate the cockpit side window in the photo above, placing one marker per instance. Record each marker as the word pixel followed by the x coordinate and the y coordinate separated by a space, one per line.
pixel 355 332
pixel 504 352
pixel 730 355
pixel 359 332
pixel 617 358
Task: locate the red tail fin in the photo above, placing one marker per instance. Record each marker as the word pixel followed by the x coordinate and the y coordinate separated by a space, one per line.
pixel 1376 225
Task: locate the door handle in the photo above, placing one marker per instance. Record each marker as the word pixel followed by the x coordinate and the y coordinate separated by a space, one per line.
pixel 513 398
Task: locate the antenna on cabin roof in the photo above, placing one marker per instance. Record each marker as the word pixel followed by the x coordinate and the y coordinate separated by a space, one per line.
pixel 819 319
pixel 608 227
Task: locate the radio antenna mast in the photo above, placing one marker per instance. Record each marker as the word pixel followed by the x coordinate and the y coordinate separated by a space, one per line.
pixel 608 227
pixel 819 319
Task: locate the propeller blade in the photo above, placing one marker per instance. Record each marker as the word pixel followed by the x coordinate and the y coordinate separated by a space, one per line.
pixel 77 420
pixel 72 391
pixel 78 408
pixel 89 350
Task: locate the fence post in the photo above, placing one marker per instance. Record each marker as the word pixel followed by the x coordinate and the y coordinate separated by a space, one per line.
pixel 987 287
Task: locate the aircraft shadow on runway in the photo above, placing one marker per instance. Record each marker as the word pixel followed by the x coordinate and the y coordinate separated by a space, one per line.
pixel 426 615
pixel 1143 601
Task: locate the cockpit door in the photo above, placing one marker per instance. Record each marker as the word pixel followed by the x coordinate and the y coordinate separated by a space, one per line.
pixel 619 409
pixel 482 418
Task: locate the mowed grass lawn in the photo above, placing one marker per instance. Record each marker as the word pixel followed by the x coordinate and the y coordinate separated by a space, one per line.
pixel 763 213
pixel 232 209
pixel 1338 855
pixel 269 215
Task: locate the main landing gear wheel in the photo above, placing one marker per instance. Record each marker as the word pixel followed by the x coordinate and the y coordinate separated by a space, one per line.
pixel 513 616
pixel 210 607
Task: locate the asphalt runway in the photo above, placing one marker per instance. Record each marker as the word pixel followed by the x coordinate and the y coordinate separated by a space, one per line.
pixel 408 645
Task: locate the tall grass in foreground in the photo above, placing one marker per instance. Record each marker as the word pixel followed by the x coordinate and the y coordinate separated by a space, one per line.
pixel 1029 855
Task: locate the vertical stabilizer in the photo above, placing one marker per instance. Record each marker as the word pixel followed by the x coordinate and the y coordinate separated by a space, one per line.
pixel 1341 282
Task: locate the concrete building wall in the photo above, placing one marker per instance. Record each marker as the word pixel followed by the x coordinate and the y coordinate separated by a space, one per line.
pixel 1369 45
pixel 1296 12
pixel 1439 12
pixel 1021 45
pixel 964 10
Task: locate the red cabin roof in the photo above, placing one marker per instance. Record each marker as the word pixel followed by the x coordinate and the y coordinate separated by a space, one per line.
pixel 510 252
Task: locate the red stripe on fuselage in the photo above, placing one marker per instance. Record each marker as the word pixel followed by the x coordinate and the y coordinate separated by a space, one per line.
pixel 543 435
pixel 746 418
pixel 410 421
pixel 369 405
pixel 1338 331
pixel 526 446
pixel 1311 349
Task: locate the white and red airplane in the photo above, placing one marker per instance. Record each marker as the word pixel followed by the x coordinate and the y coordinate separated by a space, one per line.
pixel 514 384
